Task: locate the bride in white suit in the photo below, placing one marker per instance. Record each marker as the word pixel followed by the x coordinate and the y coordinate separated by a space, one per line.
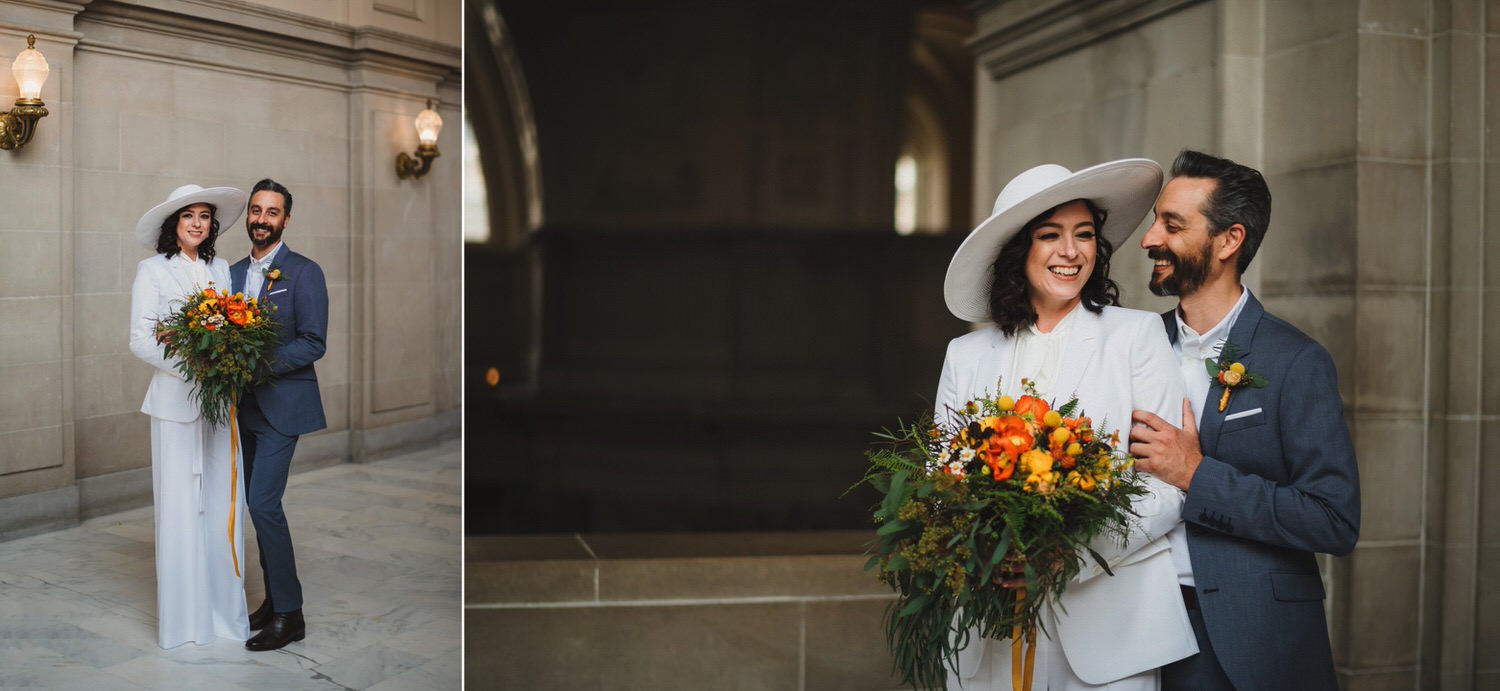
pixel 1038 268
pixel 199 586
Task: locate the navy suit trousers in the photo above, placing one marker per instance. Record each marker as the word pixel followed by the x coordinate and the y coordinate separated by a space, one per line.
pixel 268 459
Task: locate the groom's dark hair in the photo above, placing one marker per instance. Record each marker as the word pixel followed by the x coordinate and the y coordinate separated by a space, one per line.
pixel 1240 196
pixel 278 188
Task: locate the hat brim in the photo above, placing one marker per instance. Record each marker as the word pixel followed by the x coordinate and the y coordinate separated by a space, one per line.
pixel 1126 189
pixel 228 203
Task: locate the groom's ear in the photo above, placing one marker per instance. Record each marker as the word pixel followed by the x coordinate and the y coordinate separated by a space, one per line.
pixel 1230 242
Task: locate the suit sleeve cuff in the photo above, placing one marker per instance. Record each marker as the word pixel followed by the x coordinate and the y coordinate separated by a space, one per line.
pixel 1203 493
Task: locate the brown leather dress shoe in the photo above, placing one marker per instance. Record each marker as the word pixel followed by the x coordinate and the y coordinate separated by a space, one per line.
pixel 284 628
pixel 261 616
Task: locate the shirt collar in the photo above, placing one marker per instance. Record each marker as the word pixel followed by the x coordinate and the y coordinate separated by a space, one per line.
pixel 1209 343
pixel 269 255
pixel 1062 324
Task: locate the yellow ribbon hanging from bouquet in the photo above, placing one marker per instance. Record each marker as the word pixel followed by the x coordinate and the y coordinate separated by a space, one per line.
pixel 234 481
pixel 1022 650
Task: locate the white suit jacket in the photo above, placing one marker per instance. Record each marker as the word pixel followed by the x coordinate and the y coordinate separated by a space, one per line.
pixel 1117 361
pixel 160 285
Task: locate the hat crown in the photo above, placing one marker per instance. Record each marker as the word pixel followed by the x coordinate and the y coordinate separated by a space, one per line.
pixel 1023 186
pixel 183 191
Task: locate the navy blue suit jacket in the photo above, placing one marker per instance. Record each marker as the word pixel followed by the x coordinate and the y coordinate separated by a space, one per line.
pixel 290 398
pixel 1278 483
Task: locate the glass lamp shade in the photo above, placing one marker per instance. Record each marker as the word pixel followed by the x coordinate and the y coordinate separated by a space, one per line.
pixel 429 124
pixel 30 70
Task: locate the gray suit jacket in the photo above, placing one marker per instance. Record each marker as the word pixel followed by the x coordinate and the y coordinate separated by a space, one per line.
pixel 290 400
pixel 1275 486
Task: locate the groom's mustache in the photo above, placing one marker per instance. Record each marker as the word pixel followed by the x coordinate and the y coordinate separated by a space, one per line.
pixel 261 226
pixel 1159 253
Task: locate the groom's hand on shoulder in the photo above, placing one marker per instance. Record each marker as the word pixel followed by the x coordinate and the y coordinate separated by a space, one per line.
pixel 1170 453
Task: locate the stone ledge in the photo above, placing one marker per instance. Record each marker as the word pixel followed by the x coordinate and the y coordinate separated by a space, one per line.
pixel 29 514
pixel 675 611
pixel 606 570
pixel 1022 35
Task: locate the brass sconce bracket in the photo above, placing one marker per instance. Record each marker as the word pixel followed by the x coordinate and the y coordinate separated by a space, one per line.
pixel 18 126
pixel 416 166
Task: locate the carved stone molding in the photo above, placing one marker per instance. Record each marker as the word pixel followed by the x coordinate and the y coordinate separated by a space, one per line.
pixel 278 34
pixel 1017 34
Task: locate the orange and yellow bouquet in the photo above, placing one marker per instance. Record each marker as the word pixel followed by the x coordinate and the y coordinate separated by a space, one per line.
pixel 986 516
pixel 220 341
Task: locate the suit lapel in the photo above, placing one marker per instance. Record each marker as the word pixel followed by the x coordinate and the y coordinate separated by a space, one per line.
pixel 994 375
pixel 1169 320
pixel 1242 335
pixel 276 261
pixel 178 267
pixel 237 276
pixel 1079 353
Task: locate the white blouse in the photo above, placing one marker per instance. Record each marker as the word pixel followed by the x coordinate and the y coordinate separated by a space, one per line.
pixel 1038 355
pixel 197 271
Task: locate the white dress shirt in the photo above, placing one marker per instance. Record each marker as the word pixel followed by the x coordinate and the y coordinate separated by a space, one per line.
pixel 1192 351
pixel 255 276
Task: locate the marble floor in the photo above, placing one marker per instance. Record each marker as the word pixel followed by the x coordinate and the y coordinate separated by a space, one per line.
pixel 378 551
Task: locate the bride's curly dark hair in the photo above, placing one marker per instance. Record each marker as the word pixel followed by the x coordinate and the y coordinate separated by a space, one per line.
pixel 166 242
pixel 1010 294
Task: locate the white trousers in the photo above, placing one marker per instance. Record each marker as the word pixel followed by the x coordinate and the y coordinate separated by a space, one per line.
pixel 1051 671
pixel 198 595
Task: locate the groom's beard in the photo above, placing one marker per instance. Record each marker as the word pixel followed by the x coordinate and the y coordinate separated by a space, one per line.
pixel 1188 274
pixel 273 234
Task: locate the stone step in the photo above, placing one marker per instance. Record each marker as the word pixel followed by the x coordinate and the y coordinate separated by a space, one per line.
pixel 774 610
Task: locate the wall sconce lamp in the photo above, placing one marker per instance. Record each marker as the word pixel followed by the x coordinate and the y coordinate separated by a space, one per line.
pixel 429 124
pixel 30 70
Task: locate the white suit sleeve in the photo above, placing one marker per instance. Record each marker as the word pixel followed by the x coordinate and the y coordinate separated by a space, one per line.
pixel 144 299
pixel 1156 385
pixel 947 391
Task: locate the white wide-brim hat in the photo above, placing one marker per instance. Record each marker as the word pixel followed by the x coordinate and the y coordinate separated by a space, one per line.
pixel 1125 189
pixel 228 204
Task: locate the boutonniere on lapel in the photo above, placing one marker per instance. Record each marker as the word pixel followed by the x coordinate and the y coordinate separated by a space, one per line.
pixel 272 274
pixel 1231 374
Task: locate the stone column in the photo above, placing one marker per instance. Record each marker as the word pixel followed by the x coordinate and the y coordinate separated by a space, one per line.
pixel 36 288
pixel 404 300
pixel 1461 606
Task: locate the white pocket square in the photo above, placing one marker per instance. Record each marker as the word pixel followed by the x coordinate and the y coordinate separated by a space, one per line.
pixel 283 290
pixel 1244 413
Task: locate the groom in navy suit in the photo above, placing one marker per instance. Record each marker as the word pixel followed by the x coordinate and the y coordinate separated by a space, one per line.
pixel 282 406
pixel 1268 466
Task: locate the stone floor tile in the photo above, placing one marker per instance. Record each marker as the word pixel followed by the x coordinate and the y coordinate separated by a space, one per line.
pixel 378 550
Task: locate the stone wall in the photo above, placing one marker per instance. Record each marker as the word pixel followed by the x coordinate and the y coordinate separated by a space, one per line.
pixel 147 97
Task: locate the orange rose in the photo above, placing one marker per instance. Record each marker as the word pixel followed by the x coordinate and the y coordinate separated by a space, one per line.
pixel 1011 446
pixel 1011 426
pixel 1033 405
pixel 1000 469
